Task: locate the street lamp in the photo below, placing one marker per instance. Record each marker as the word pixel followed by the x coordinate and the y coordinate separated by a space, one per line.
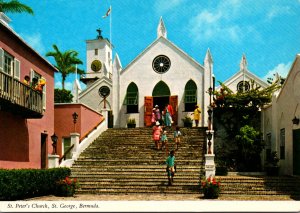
pixel 209 137
pixel 295 120
pixel 75 116
pixel 210 91
pixel 54 139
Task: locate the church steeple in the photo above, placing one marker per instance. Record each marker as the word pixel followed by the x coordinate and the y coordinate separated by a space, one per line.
pixel 244 63
pixel 161 29
pixel 117 63
pixel 208 57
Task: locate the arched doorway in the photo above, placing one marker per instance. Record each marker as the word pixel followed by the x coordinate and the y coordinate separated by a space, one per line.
pixel 161 96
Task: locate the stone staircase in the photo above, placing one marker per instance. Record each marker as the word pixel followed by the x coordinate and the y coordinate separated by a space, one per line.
pixel 124 160
pixel 237 185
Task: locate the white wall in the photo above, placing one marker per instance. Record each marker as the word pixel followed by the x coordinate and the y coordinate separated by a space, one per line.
pixel 141 73
pixel 285 106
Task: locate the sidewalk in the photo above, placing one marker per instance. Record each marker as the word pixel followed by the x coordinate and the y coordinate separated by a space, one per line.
pixel 156 197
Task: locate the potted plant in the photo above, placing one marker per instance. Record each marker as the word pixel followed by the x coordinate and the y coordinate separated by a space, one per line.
pixel 211 188
pixel 66 187
pixel 131 123
pixel 187 121
pixel 272 168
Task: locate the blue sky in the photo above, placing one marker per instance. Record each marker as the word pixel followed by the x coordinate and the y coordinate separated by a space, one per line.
pixel 267 32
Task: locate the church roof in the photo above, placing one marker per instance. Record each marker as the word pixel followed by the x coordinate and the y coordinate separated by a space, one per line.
pixel 246 73
pixel 297 58
pixel 17 37
pixel 163 39
pixel 95 84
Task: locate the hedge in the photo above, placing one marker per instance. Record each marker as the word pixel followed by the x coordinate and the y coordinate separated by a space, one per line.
pixel 18 184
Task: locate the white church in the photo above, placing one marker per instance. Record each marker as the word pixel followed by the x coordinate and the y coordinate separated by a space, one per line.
pixel 162 73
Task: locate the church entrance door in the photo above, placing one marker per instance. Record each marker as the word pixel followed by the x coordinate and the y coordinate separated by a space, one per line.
pixel 161 101
pixel 161 96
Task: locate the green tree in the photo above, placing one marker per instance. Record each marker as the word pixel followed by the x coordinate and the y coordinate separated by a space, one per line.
pixel 237 124
pixel 255 98
pixel 250 146
pixel 62 96
pixel 65 62
pixel 14 6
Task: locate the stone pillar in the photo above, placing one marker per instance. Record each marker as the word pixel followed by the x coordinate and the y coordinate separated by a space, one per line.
pixel 104 112
pixel 210 168
pixel 75 140
pixel 53 161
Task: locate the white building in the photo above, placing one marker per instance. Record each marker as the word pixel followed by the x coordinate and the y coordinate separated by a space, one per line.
pixel 161 74
pixel 280 123
pixel 241 80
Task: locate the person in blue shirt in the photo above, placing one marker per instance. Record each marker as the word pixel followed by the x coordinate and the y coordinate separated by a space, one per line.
pixel 170 167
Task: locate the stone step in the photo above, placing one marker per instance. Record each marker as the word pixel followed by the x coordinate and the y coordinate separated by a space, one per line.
pixel 152 170
pixel 137 161
pixel 185 189
pixel 256 192
pixel 129 175
pixel 125 161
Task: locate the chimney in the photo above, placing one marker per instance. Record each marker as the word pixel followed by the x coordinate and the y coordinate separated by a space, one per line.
pixel 4 19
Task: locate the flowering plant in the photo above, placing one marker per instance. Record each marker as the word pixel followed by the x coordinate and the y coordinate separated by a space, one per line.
pixel 67 186
pixel 211 188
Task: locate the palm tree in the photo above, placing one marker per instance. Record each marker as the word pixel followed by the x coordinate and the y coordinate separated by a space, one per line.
pixel 14 6
pixel 65 62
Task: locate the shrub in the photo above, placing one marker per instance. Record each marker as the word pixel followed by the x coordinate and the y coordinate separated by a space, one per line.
pixel 211 188
pixel 24 183
pixel 67 186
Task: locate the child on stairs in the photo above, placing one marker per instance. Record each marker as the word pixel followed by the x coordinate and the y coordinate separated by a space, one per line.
pixel 170 167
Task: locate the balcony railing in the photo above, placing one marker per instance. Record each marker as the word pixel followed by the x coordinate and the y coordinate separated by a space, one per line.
pixel 19 98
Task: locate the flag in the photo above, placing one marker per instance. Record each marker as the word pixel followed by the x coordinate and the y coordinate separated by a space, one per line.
pixel 107 13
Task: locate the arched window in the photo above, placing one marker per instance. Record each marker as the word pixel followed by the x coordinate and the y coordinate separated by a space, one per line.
pixel 190 96
pixel 132 98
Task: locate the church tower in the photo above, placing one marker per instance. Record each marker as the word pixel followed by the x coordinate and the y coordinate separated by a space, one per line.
pixel 99 59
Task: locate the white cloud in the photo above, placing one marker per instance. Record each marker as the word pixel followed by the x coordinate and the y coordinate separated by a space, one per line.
pixel 209 25
pixel 35 41
pixel 282 69
pixel 278 10
pixel 163 6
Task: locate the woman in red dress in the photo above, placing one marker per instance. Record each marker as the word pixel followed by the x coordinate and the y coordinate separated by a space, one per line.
pixel 156 134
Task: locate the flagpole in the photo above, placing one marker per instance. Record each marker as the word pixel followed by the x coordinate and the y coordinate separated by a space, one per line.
pixel 77 94
pixel 110 38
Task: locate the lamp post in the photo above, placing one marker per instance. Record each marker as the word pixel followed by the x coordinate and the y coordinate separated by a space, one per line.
pixel 209 111
pixel 295 120
pixel 210 91
pixel 209 137
pixel 54 139
pixel 210 168
pixel 75 116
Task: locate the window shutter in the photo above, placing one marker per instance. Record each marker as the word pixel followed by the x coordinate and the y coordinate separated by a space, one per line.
pixel 44 93
pixel 1 59
pixel 31 74
pixel 17 69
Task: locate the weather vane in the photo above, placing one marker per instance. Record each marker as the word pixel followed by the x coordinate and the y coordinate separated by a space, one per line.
pixel 99 32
